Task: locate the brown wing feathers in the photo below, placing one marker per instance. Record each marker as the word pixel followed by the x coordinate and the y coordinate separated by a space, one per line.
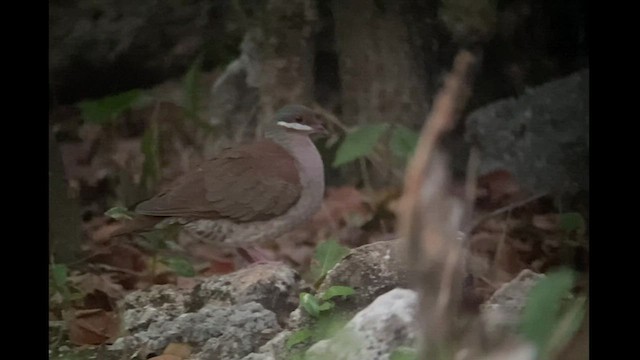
pixel 250 182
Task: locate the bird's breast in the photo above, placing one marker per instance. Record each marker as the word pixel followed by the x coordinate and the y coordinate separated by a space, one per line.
pixel 311 177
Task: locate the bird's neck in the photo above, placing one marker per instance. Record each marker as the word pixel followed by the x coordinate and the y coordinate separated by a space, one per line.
pixel 300 147
pixel 277 135
pixel 308 161
pixel 291 141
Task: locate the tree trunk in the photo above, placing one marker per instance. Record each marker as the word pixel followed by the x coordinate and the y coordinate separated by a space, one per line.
pixel 287 50
pixel 382 61
pixel 275 66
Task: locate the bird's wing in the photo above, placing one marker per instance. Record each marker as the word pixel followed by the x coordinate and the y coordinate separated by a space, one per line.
pixel 251 182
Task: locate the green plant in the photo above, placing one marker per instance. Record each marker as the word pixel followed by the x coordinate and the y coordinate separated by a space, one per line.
pixel 320 308
pixel 315 305
pixel 327 255
pixel 404 353
pixel 360 142
pixel 60 286
pixel 107 109
pixel 120 213
pixel 62 296
pixel 151 150
pixel 180 266
pixel 552 314
pixel 572 222
pixel 191 99
pixel 156 241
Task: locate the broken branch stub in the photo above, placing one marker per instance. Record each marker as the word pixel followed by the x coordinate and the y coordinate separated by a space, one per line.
pixel 430 216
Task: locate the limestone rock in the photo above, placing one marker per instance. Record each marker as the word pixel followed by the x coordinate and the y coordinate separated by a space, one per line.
pixel 502 311
pixel 214 332
pixel 157 304
pixel 371 270
pixel 275 348
pixel 542 137
pixel 375 332
pixel 273 285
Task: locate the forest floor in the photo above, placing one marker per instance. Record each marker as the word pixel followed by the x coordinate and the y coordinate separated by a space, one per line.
pixel 111 163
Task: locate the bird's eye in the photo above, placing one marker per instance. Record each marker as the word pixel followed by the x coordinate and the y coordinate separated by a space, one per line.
pixel 298 119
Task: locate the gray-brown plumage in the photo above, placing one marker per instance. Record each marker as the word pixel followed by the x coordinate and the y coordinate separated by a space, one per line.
pixel 249 193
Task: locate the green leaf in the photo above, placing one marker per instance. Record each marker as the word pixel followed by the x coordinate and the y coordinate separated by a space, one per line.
pixel 404 353
pixel 119 213
pixel 359 143
pixel 107 109
pixel 192 89
pixel 328 254
pixel 568 325
pixel 151 150
pixel 328 326
pixel 159 238
pixel 60 273
pixel 298 337
pixel 403 142
pixel 572 222
pixel 337 291
pixel 327 305
pixel 541 313
pixel 181 267
pixel 310 304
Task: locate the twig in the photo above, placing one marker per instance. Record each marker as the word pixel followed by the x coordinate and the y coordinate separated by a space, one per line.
pixel 365 174
pixel 503 237
pixel 118 269
pixel 471 185
pixel 433 250
pixel 445 109
pixel 504 209
pixel 330 117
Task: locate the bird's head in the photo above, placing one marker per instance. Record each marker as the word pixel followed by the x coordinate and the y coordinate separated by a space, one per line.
pixel 299 119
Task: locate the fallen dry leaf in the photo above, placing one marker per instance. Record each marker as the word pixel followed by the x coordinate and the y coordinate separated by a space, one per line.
pixel 186 283
pixel 93 327
pixel 549 222
pixel 180 350
pixel 77 166
pixel 119 256
pixel 166 357
pixel 507 261
pixel 498 188
pixel 105 283
pixel 339 205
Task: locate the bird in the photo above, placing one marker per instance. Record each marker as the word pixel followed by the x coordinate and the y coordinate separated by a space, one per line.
pixel 246 194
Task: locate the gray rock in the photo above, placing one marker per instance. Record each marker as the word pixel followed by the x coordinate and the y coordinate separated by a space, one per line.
pixel 275 348
pixel 149 39
pixel 259 356
pixel 542 137
pixel 375 332
pixel 273 285
pixel 234 95
pixel 215 332
pixel 275 67
pixel 371 270
pixel 160 303
pixel 501 313
pixel 298 319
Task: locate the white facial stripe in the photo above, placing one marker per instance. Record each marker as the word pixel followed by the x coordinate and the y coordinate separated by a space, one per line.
pixel 295 126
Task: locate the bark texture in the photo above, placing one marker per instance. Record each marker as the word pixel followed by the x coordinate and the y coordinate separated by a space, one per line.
pixel 381 63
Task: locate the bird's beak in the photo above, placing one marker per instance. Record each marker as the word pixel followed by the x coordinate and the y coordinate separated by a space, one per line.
pixel 319 128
